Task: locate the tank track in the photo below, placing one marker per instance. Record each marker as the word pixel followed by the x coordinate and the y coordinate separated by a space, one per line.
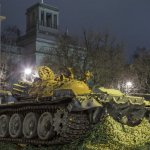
pixel 74 127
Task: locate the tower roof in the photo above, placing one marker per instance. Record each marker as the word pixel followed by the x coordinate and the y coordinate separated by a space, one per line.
pixel 45 5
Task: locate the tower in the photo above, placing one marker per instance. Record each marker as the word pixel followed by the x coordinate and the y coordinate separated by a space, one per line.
pixel 42 27
pixel 42 17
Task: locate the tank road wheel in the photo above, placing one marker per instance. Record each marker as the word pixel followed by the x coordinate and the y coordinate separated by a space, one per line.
pixel 15 125
pixel 4 126
pixel 45 129
pixel 30 125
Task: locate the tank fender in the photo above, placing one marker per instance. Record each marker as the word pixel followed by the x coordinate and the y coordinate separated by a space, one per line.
pixel 77 105
pixel 90 103
pixel 94 109
pixel 74 105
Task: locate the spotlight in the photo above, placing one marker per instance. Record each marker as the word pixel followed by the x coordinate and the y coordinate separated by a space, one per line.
pixel 27 71
pixel 129 84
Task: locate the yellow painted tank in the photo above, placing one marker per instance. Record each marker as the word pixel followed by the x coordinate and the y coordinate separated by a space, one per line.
pixel 129 110
pixel 46 84
pixel 51 110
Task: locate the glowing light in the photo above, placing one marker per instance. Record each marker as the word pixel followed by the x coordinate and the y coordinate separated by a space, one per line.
pixel 129 84
pixel 27 71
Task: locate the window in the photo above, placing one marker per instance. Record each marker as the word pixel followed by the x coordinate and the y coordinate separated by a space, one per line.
pixel 48 19
pixel 42 18
pixel 55 21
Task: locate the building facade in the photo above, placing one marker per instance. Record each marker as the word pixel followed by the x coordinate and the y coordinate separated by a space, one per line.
pixel 39 41
pixel 42 28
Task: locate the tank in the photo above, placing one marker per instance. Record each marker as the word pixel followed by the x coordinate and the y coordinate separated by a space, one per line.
pixel 51 110
pixel 61 109
pixel 128 110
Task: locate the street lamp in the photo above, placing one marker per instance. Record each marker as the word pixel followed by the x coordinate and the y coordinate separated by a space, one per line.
pixel 27 75
pixel 129 85
pixel 27 71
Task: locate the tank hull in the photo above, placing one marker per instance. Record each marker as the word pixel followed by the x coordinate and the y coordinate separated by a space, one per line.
pixel 66 126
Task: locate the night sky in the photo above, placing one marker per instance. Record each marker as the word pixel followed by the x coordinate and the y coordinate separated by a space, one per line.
pixel 128 20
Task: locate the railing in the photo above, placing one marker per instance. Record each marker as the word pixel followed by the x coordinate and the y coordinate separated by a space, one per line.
pixel 44 24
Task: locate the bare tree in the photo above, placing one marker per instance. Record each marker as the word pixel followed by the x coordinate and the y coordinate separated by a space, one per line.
pixel 103 56
pixel 96 52
pixel 141 68
pixel 10 35
pixel 67 53
pixel 10 51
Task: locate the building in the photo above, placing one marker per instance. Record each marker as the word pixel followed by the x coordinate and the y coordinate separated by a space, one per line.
pixel 39 41
pixel 42 27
